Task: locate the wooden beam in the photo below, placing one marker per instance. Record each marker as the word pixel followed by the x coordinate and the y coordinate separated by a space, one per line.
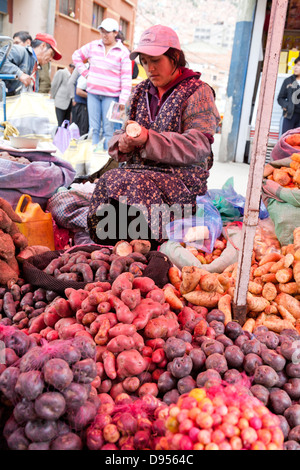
pixel 258 156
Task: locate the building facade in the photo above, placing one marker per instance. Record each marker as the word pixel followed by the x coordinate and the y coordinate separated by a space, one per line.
pixel 73 23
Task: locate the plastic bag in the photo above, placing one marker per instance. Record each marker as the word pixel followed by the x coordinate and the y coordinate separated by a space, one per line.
pixel 265 239
pixel 81 156
pixel 201 230
pixel 64 134
pixel 236 200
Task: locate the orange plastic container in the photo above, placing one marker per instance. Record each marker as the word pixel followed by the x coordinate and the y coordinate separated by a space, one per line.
pixel 37 225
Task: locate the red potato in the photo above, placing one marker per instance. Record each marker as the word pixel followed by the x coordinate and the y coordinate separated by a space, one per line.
pixel 96 296
pixel 62 307
pixel 138 341
pixel 51 316
pixel 37 324
pixel 109 364
pixel 157 295
pixel 68 332
pixel 122 329
pixel 105 286
pixel 101 336
pixel 144 284
pixel 122 282
pixel 145 311
pixel 124 314
pixel 130 363
pixel 75 297
pixel 86 306
pixel 120 343
pixel 103 307
pixel 131 297
pixel 64 322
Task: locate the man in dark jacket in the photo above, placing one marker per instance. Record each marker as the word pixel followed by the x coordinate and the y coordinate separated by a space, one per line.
pixel 23 62
pixel 289 99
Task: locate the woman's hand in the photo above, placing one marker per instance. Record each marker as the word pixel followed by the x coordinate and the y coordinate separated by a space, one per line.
pixel 127 144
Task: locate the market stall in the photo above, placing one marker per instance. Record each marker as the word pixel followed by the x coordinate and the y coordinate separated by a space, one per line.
pixel 191 347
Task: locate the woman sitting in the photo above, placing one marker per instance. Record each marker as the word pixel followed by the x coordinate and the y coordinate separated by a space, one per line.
pixel 167 165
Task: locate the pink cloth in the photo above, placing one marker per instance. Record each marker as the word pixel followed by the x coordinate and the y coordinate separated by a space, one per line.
pixel 109 74
pixel 282 149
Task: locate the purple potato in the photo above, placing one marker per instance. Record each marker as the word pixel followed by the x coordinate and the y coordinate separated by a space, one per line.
pixel 86 346
pixel 50 405
pixel 171 396
pixel 208 375
pixel 216 315
pixel 18 341
pixel 70 441
pixel 291 445
pixel 218 326
pixel 10 357
pixel 279 401
pixel 251 346
pixel 174 347
pixel 30 384
pixel 181 366
pixel 224 340
pixel 18 440
pixel 185 336
pixel 273 359
pixel 8 380
pixel 198 357
pixel 284 426
pixel 76 394
pixel 293 370
pixel 34 359
pixel 282 378
pixel 66 350
pixel 261 393
pixel 58 373
pixel 294 434
pixel 233 330
pixel 265 375
pixel 251 363
pixel 292 388
pixel 217 362
pixel 166 382
pixel 212 346
pixel 232 376
pixel 41 430
pixel 39 446
pixel 240 340
pixel 24 411
pixel 234 357
pixel 292 414
pixel 84 371
pixel 82 417
pixel 269 338
pixel 186 384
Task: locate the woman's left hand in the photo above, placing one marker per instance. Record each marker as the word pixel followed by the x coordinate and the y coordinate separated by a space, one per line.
pixel 127 144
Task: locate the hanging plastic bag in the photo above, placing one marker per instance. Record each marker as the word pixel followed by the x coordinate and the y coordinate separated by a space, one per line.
pixel 64 134
pixel 237 200
pixel 201 230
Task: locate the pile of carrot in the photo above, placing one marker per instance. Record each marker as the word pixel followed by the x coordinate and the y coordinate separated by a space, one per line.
pixel 286 176
pixel 273 298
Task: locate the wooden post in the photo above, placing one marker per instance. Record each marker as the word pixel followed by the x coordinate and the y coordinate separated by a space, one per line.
pixel 258 156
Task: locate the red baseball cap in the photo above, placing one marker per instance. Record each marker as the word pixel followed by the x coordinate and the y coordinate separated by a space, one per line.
pixel 48 39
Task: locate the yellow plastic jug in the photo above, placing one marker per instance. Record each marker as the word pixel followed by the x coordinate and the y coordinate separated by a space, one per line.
pixel 36 224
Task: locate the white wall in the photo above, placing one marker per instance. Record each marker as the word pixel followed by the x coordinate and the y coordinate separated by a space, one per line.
pixel 30 16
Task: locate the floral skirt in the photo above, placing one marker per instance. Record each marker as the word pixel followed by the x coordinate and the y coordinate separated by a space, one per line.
pixel 135 202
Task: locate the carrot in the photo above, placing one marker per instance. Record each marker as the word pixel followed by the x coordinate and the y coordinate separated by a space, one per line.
pixel 256 304
pixel 230 268
pixel 296 273
pixel 291 288
pixel 269 291
pixel 284 275
pixel 296 234
pixel 174 277
pixel 271 309
pixel 255 288
pixel 260 319
pixel 249 325
pixel 264 269
pixel 209 282
pixel 297 255
pixel 277 266
pixel 224 304
pixel 204 299
pixel 269 277
pixel 270 257
pixel 286 315
pixel 191 276
pixel 225 280
pixel 290 303
pixel 278 325
pixel 172 299
pixel 288 249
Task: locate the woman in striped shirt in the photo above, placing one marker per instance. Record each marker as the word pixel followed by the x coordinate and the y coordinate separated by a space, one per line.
pixel 108 77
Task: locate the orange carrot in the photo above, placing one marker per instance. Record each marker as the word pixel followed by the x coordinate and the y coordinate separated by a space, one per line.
pixel 174 277
pixel 224 305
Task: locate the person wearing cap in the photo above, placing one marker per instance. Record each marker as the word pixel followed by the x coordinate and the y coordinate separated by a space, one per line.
pixel 168 161
pixel 23 62
pixel 108 77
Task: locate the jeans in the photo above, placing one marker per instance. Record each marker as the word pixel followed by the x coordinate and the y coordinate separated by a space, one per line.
pixel 98 106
